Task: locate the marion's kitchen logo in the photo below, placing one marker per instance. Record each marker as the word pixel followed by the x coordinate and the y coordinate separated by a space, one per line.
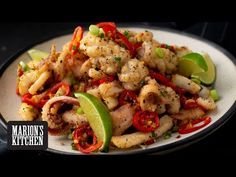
pixel 25 135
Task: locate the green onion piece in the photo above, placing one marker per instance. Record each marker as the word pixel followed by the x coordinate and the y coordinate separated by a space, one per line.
pixel 159 52
pixel 72 79
pixel 118 59
pixel 214 94
pixel 126 33
pixel 142 82
pixel 74 47
pixel 167 46
pixel 153 134
pixel 79 111
pixel 70 136
pixel 196 80
pixel 93 29
pixel 102 35
pixel 175 128
pixel 167 135
pixel 24 66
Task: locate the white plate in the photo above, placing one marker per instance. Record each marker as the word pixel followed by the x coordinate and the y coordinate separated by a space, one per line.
pixel 225 85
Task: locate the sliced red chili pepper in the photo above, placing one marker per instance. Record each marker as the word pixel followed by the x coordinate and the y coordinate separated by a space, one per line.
pixel 108 27
pixel 146 121
pixel 121 38
pixel 102 24
pixel 85 139
pixel 127 96
pixel 76 38
pixel 182 99
pixel 103 80
pixel 137 45
pixel 52 91
pixel 165 81
pixel 20 71
pixel 150 141
pixel 190 127
pixel 190 105
pixel 27 98
pixel 170 47
pixel 17 90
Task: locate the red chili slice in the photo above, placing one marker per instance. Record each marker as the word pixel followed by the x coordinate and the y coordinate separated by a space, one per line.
pixel 150 141
pixel 121 38
pixel 27 98
pixel 146 121
pixel 52 91
pixel 102 24
pixel 190 127
pixel 76 38
pixel 190 105
pixel 103 80
pixel 165 81
pixel 127 96
pixel 108 27
pixel 85 139
pixel 170 47
pixel 110 30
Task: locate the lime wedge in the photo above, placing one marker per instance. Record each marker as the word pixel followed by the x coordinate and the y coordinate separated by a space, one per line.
pixel 37 55
pixel 209 76
pixel 191 63
pixel 98 117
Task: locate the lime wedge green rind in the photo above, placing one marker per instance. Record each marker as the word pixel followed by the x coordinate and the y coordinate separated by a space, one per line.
pixel 198 59
pixel 37 55
pixel 209 76
pixel 187 67
pixel 98 117
pixel 214 94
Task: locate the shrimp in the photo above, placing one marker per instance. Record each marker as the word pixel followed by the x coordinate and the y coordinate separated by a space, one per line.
pixel 132 73
pixel 111 102
pixel 122 119
pixel 166 64
pixel 206 103
pixel 111 89
pixel 92 68
pixel 59 67
pixel 28 112
pixel 188 114
pixel 109 93
pixel 95 92
pixel 110 64
pixel 186 84
pixel 147 54
pixel 85 67
pixel 94 46
pixel 55 121
pixel 134 139
pixel 144 36
pixel 93 73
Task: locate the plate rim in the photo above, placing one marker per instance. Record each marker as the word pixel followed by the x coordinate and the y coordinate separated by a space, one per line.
pixel 157 150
